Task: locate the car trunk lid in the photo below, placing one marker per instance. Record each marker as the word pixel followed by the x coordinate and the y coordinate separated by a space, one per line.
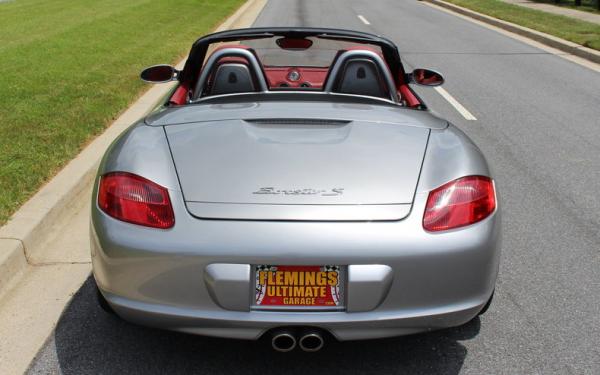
pixel 298 169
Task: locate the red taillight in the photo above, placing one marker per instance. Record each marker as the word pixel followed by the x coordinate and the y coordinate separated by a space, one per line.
pixel 136 200
pixel 458 203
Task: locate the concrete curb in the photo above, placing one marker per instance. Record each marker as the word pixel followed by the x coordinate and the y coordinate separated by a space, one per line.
pixel 12 262
pixel 549 40
pixel 22 238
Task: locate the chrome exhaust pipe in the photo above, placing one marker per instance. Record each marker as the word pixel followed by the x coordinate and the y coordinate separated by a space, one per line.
pixel 283 341
pixel 311 341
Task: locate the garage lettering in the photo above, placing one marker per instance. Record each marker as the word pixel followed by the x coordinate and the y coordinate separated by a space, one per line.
pixel 297 288
pixel 290 278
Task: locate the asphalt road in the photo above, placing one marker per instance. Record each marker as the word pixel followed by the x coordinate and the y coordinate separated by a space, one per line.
pixel 538 117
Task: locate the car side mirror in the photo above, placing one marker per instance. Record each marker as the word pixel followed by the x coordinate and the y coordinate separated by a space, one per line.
pixel 159 74
pixel 426 77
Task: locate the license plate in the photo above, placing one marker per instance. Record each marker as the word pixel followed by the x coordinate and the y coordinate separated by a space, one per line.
pixel 299 286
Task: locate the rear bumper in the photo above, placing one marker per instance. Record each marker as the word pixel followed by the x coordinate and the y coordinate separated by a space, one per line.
pixel 252 325
pixel 158 278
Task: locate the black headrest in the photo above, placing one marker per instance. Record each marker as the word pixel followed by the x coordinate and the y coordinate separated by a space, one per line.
pixel 230 70
pixel 361 72
pixel 231 78
pixel 361 77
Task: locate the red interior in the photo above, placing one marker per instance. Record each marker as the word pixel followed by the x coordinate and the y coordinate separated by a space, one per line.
pixel 180 95
pixel 306 77
pixel 408 96
pixel 309 76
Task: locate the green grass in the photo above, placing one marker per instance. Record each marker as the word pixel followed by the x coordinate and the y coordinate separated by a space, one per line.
pixel 580 32
pixel 586 5
pixel 69 67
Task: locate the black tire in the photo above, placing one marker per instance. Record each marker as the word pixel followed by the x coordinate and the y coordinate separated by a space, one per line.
pixel 487 305
pixel 103 302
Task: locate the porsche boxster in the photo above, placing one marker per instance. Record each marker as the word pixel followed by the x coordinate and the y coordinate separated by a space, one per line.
pixel 293 186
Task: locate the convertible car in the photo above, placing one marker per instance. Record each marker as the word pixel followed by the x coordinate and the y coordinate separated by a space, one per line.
pixel 293 187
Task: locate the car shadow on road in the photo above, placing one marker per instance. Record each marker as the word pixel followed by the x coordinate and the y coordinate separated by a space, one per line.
pixel 88 340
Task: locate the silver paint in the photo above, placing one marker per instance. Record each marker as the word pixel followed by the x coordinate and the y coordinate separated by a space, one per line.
pixel 228 285
pixel 301 212
pixel 226 162
pixel 160 277
pixel 312 106
pixel 368 285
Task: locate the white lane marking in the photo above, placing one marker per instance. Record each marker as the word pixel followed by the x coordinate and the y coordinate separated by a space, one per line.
pixel 459 107
pixel 364 20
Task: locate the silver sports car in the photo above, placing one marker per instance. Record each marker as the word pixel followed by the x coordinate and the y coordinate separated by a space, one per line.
pixel 293 186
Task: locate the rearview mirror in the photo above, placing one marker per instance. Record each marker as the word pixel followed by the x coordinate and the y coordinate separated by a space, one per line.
pixel 426 77
pixel 159 74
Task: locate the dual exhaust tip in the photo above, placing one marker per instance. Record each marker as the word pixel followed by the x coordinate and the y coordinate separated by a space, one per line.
pixel 308 341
